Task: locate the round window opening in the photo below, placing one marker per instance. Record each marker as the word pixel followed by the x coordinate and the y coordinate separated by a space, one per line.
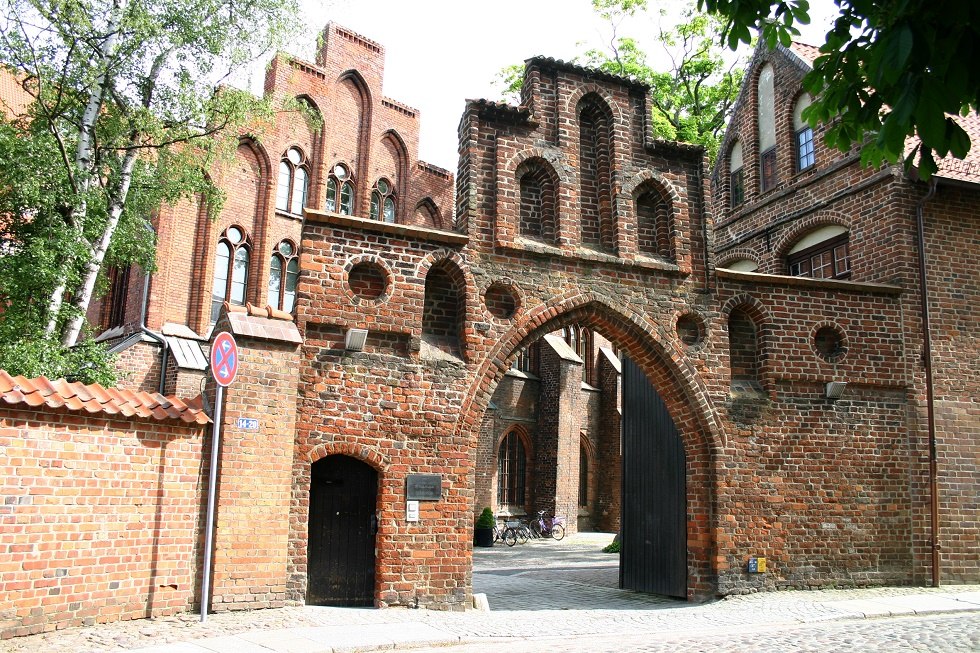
pixel 829 343
pixel 500 301
pixel 367 280
pixel 689 330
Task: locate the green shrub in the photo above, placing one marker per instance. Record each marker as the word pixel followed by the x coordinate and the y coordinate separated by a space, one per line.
pixel 486 519
pixel 612 547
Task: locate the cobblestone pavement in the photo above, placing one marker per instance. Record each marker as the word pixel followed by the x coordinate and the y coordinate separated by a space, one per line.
pixel 956 633
pixel 541 589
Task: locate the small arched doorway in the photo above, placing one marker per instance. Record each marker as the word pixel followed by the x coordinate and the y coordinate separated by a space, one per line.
pixel 342 527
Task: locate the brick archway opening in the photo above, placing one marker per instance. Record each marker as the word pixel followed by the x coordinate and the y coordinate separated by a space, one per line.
pixel 552 403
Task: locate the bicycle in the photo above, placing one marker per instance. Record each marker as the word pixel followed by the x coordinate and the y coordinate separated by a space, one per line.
pixel 516 531
pixel 552 527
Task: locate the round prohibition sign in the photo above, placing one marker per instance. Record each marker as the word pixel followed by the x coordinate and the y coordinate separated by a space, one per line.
pixel 224 359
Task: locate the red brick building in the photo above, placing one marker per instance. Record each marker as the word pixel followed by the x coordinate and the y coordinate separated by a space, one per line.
pixel 600 327
pixel 786 205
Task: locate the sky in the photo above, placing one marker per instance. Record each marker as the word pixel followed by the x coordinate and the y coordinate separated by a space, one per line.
pixel 441 52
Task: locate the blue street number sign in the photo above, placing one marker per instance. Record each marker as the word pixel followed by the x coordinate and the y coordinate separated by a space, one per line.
pixel 224 359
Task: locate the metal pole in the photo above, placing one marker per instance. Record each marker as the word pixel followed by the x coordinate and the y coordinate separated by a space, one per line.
pixel 212 483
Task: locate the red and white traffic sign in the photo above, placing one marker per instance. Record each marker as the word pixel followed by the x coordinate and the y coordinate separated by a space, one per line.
pixel 224 359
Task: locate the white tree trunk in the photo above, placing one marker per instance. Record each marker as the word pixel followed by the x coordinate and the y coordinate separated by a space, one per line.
pixel 85 175
pixel 97 254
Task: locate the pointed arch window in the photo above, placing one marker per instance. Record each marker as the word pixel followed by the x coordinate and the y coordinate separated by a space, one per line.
pixel 230 269
pixel 340 190
pixel 736 178
pixel 383 201
pixel 294 181
pixel 283 275
pixel 580 339
pixel 511 470
pixel 767 129
pixel 583 474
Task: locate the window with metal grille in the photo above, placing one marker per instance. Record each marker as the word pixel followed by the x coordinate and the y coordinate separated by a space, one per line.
pixel 511 468
pixel 583 476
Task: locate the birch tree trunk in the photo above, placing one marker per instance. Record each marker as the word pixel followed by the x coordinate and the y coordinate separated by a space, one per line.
pixel 85 175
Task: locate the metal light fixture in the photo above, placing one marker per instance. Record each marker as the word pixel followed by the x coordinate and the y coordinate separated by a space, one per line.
pixel 354 339
pixel 835 389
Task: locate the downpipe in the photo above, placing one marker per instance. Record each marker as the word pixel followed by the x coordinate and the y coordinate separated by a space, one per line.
pixel 930 396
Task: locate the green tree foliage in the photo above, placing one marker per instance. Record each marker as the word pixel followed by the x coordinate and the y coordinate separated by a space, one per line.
pixel 692 101
pixel 128 112
pixel 888 70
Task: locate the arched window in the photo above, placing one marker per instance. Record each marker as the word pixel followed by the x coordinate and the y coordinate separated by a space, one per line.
pixel 511 470
pixel 821 254
pixel 743 347
pixel 294 180
pixel 767 129
pixel 538 207
pixel 741 265
pixel 527 359
pixel 595 154
pixel 653 224
pixel 736 178
pixel 230 269
pixel 340 190
pixel 580 339
pixel 383 201
pixel 803 134
pixel 283 274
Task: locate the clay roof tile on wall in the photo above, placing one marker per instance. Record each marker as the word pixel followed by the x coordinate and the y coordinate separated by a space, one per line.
pixel 96 399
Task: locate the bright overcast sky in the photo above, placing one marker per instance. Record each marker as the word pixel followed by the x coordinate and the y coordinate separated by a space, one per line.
pixel 441 52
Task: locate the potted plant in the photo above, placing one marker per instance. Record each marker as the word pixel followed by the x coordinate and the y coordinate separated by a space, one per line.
pixel 483 530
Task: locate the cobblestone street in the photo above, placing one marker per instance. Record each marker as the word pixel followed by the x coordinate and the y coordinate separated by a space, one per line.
pixel 941 634
pixel 562 596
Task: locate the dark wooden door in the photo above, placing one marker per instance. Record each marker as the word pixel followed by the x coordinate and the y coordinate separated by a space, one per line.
pixel 343 523
pixel 654 518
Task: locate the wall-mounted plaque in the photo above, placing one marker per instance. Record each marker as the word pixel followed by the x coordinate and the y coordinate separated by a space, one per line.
pixel 423 487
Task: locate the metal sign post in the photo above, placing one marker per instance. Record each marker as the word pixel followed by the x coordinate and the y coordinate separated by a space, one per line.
pixel 224 368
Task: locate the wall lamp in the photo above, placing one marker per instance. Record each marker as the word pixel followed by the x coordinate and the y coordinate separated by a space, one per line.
pixel 354 339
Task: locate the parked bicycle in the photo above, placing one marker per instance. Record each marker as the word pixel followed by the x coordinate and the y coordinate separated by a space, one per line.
pixel 516 531
pixel 552 527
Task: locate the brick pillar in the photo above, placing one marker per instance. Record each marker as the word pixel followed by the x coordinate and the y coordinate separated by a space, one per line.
pixel 255 465
pixel 556 449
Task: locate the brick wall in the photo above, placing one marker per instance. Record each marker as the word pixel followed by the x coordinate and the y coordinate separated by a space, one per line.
pixel 100 519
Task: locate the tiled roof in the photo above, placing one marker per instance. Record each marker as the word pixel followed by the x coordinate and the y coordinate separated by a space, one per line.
pixel 967 169
pixel 805 51
pixel 96 399
pixel 266 323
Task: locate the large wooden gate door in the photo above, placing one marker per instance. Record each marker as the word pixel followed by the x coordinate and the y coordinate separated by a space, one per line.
pixel 342 526
pixel 654 517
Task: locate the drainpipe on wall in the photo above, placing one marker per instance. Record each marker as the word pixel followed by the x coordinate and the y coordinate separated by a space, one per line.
pixel 164 351
pixel 927 361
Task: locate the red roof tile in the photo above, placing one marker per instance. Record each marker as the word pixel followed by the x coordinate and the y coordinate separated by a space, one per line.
pixel 967 169
pixel 96 399
pixel 805 51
